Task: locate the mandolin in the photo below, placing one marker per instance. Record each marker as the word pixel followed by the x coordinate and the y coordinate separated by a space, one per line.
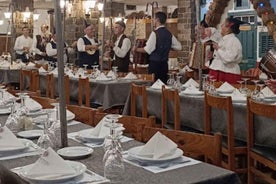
pixel 92 51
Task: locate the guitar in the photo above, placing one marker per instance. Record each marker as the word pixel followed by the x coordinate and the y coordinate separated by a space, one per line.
pixel 92 51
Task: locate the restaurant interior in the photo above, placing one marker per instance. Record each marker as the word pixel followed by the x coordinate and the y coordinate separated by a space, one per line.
pixel 71 123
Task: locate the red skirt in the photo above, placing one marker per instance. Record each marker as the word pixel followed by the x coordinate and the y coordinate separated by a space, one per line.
pixel 224 77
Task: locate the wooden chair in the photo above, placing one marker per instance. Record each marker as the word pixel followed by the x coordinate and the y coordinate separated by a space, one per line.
pixel 170 95
pixel 133 125
pixel 261 159
pixel 84 88
pixel 45 66
pixel 138 91
pixel 50 85
pixel 67 89
pixel 27 78
pixel 45 102
pixel 234 151
pixel 82 113
pixel 146 77
pixel 195 145
pixel 141 69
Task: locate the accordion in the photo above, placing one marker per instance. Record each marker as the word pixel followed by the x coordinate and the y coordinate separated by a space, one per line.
pixel 268 64
pixel 198 56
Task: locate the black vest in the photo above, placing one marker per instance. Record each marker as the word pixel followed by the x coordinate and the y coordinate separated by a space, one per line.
pixel 85 58
pixel 54 46
pixel 122 63
pixel 163 45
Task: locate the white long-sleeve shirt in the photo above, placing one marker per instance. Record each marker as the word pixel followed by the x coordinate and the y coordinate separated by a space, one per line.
pixel 228 56
pixel 126 45
pixel 151 43
pixel 22 42
pixel 53 52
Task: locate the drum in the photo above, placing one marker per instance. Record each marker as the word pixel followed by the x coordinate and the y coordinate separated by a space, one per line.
pixel 268 64
pixel 140 58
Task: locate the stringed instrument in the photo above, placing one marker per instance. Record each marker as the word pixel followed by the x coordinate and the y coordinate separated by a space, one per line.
pixel 92 51
pixel 268 64
pixel 138 57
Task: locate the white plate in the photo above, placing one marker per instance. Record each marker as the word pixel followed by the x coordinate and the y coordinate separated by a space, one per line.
pixel 197 93
pixel 13 149
pixel 133 152
pixel 30 134
pixel 77 166
pixel 225 90
pixel 75 152
pixel 103 80
pixel 87 136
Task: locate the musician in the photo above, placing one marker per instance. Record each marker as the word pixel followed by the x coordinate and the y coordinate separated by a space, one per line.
pixel 23 45
pixel 51 51
pixel 88 48
pixel 228 53
pixel 158 47
pixel 121 47
pixel 39 44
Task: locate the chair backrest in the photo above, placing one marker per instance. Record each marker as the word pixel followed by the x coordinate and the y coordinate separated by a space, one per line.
pixel 67 89
pixel 223 103
pixel 138 91
pixel 84 88
pixel 260 109
pixel 146 77
pixel 45 66
pixel 35 85
pixel 194 145
pixel 170 95
pixel 45 102
pixel 50 85
pixel 133 125
pixel 82 113
pixel 25 78
pixel 141 69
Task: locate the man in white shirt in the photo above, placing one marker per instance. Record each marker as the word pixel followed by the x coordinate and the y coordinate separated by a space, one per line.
pixel 158 47
pixel 121 47
pixel 88 48
pixel 23 45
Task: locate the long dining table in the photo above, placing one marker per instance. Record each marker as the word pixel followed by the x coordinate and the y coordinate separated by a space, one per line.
pixel 198 173
pixel 108 93
pixel 192 116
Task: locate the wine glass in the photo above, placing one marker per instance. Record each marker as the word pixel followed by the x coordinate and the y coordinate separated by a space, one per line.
pixel 170 81
pixel 85 69
pixel 212 88
pixel 205 82
pixel 245 89
pixel 44 140
pixel 13 122
pixel 241 85
pixel 260 95
pixel 255 92
pixel 115 71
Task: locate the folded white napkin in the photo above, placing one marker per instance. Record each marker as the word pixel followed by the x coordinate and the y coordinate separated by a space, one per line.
pixel 32 105
pixel 55 71
pixel 158 146
pixel 7 95
pixel 15 66
pixel 8 139
pixel 101 76
pixel 226 87
pixel 5 65
pixel 192 90
pixel 101 131
pixel 50 164
pixel 191 82
pixel 158 84
pixel 185 69
pixel 41 70
pixel 31 64
pixel 69 115
pixel 238 96
pixel 130 75
pixel 267 92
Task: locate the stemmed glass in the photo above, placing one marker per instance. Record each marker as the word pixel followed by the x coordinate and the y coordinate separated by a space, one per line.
pixel 245 90
pixel 260 95
pixel 205 82
pixel 255 92
pixel 115 71
pixel 212 88
pixel 177 83
pixel 85 69
pixel 170 81
pixel 241 86
pixel 113 159
pixel 44 140
pixel 13 122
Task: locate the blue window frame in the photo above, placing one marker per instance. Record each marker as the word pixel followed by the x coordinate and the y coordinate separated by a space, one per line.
pixel 241 4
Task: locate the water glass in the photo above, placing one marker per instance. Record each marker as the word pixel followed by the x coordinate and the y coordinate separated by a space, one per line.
pixel 177 83
pixel 13 122
pixel 170 81
pixel 45 140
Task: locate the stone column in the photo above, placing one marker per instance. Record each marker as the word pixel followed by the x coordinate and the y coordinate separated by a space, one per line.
pixel 186 24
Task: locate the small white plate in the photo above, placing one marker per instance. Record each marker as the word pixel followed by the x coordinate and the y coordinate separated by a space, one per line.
pixel 197 93
pixel 30 134
pixel 133 152
pixel 75 152
pixel 78 167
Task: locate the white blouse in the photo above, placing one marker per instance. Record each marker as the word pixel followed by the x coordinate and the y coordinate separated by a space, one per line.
pixel 228 56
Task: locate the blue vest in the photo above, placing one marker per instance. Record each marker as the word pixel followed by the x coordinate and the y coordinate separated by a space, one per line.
pixel 163 45
pixel 85 58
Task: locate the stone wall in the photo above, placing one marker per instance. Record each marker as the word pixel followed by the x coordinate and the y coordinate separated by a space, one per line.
pixel 186 24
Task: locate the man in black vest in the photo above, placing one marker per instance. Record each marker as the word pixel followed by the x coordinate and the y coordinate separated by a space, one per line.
pixel 88 48
pixel 121 47
pixel 158 47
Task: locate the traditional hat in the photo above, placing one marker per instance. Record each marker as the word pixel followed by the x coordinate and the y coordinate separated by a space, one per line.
pixel 121 23
pixel 234 24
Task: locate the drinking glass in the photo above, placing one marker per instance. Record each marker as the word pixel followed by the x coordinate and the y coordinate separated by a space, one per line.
pixel 205 83
pixel 85 69
pixel 44 140
pixel 13 122
pixel 241 85
pixel 255 92
pixel 177 83
pixel 170 81
pixel 212 88
pixel 260 95
pixel 115 71
pixel 245 89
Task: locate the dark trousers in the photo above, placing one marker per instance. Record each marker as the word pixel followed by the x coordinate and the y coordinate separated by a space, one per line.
pixel 22 57
pixel 160 70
